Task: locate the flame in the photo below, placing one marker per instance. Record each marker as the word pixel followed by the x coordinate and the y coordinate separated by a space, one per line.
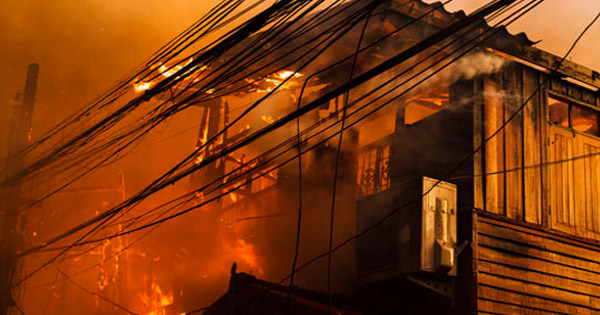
pixel 157 300
pixel 141 86
pixel 167 72
pixel 286 74
pixel 267 119
pixel 200 157
pixel 244 251
pixel 270 82
pixel 233 197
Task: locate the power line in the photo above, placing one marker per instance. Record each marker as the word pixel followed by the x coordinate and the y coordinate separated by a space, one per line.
pixel 337 162
pixel 383 105
pixel 104 218
pixel 313 147
pixel 390 214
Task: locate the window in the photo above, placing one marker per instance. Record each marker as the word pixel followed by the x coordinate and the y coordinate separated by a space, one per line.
pixel 572 115
pixel 574 167
pixel 373 174
pixel 377 127
pixel 558 112
pixel 585 120
pixel 426 104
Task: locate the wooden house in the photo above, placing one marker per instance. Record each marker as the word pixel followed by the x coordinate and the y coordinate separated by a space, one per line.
pixel 522 147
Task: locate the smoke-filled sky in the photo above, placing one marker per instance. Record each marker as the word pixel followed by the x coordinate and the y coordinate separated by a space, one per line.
pixel 85 47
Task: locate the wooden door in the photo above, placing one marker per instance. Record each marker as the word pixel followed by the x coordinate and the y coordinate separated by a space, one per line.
pixel 562 179
pixel 574 160
pixel 587 168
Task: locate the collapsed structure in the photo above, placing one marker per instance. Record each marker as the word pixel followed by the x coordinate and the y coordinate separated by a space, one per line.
pixel 478 193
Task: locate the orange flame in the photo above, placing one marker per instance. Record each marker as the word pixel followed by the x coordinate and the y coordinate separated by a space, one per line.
pixel 168 72
pixel 270 82
pixel 245 252
pixel 142 86
pixel 157 300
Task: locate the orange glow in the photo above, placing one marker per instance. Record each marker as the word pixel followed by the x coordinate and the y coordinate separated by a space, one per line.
pixel 200 157
pixel 270 82
pixel 141 86
pixel 157 300
pixel 286 74
pixel 244 251
pixel 167 72
pixel 267 119
pixel 422 106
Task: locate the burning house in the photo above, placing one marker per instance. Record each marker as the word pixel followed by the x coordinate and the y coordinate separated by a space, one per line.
pixel 367 157
pixel 485 179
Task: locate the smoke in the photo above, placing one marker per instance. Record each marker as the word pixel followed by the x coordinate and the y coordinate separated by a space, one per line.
pixel 472 65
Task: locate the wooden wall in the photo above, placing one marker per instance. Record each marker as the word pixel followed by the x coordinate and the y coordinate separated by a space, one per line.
pixel 503 185
pixel 524 270
pixel 536 230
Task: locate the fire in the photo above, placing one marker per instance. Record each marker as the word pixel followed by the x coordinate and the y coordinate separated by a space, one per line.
pixel 141 86
pixel 157 300
pixel 166 72
pixel 200 157
pixel 267 119
pixel 286 74
pixel 270 82
pixel 244 251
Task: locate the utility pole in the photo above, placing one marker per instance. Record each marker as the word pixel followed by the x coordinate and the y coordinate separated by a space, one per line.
pixel 10 242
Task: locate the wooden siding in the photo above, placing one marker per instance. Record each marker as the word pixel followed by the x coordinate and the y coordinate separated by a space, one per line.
pixel 526 270
pixel 590 176
pixel 511 158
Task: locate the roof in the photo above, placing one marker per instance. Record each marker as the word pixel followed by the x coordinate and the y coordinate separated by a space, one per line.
pixel 249 295
pixel 517 47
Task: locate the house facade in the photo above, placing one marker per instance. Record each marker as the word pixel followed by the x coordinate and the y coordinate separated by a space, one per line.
pixel 520 145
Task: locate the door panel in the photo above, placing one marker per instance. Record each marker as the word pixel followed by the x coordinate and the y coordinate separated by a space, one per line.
pixel 562 180
pixel 588 172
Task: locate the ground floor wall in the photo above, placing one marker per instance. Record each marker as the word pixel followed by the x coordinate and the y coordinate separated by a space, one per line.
pixel 526 269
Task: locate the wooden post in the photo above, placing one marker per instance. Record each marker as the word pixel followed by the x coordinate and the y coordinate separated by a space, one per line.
pixel 10 241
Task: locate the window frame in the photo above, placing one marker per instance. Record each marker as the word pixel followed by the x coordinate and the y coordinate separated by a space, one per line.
pixel 580 227
pixel 379 147
pixel 570 103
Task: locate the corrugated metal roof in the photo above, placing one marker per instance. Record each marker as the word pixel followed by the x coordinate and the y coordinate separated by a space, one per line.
pixel 442 17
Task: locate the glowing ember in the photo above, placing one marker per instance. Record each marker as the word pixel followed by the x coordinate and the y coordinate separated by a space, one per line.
pixel 141 86
pixel 270 82
pixel 286 74
pixel 167 72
